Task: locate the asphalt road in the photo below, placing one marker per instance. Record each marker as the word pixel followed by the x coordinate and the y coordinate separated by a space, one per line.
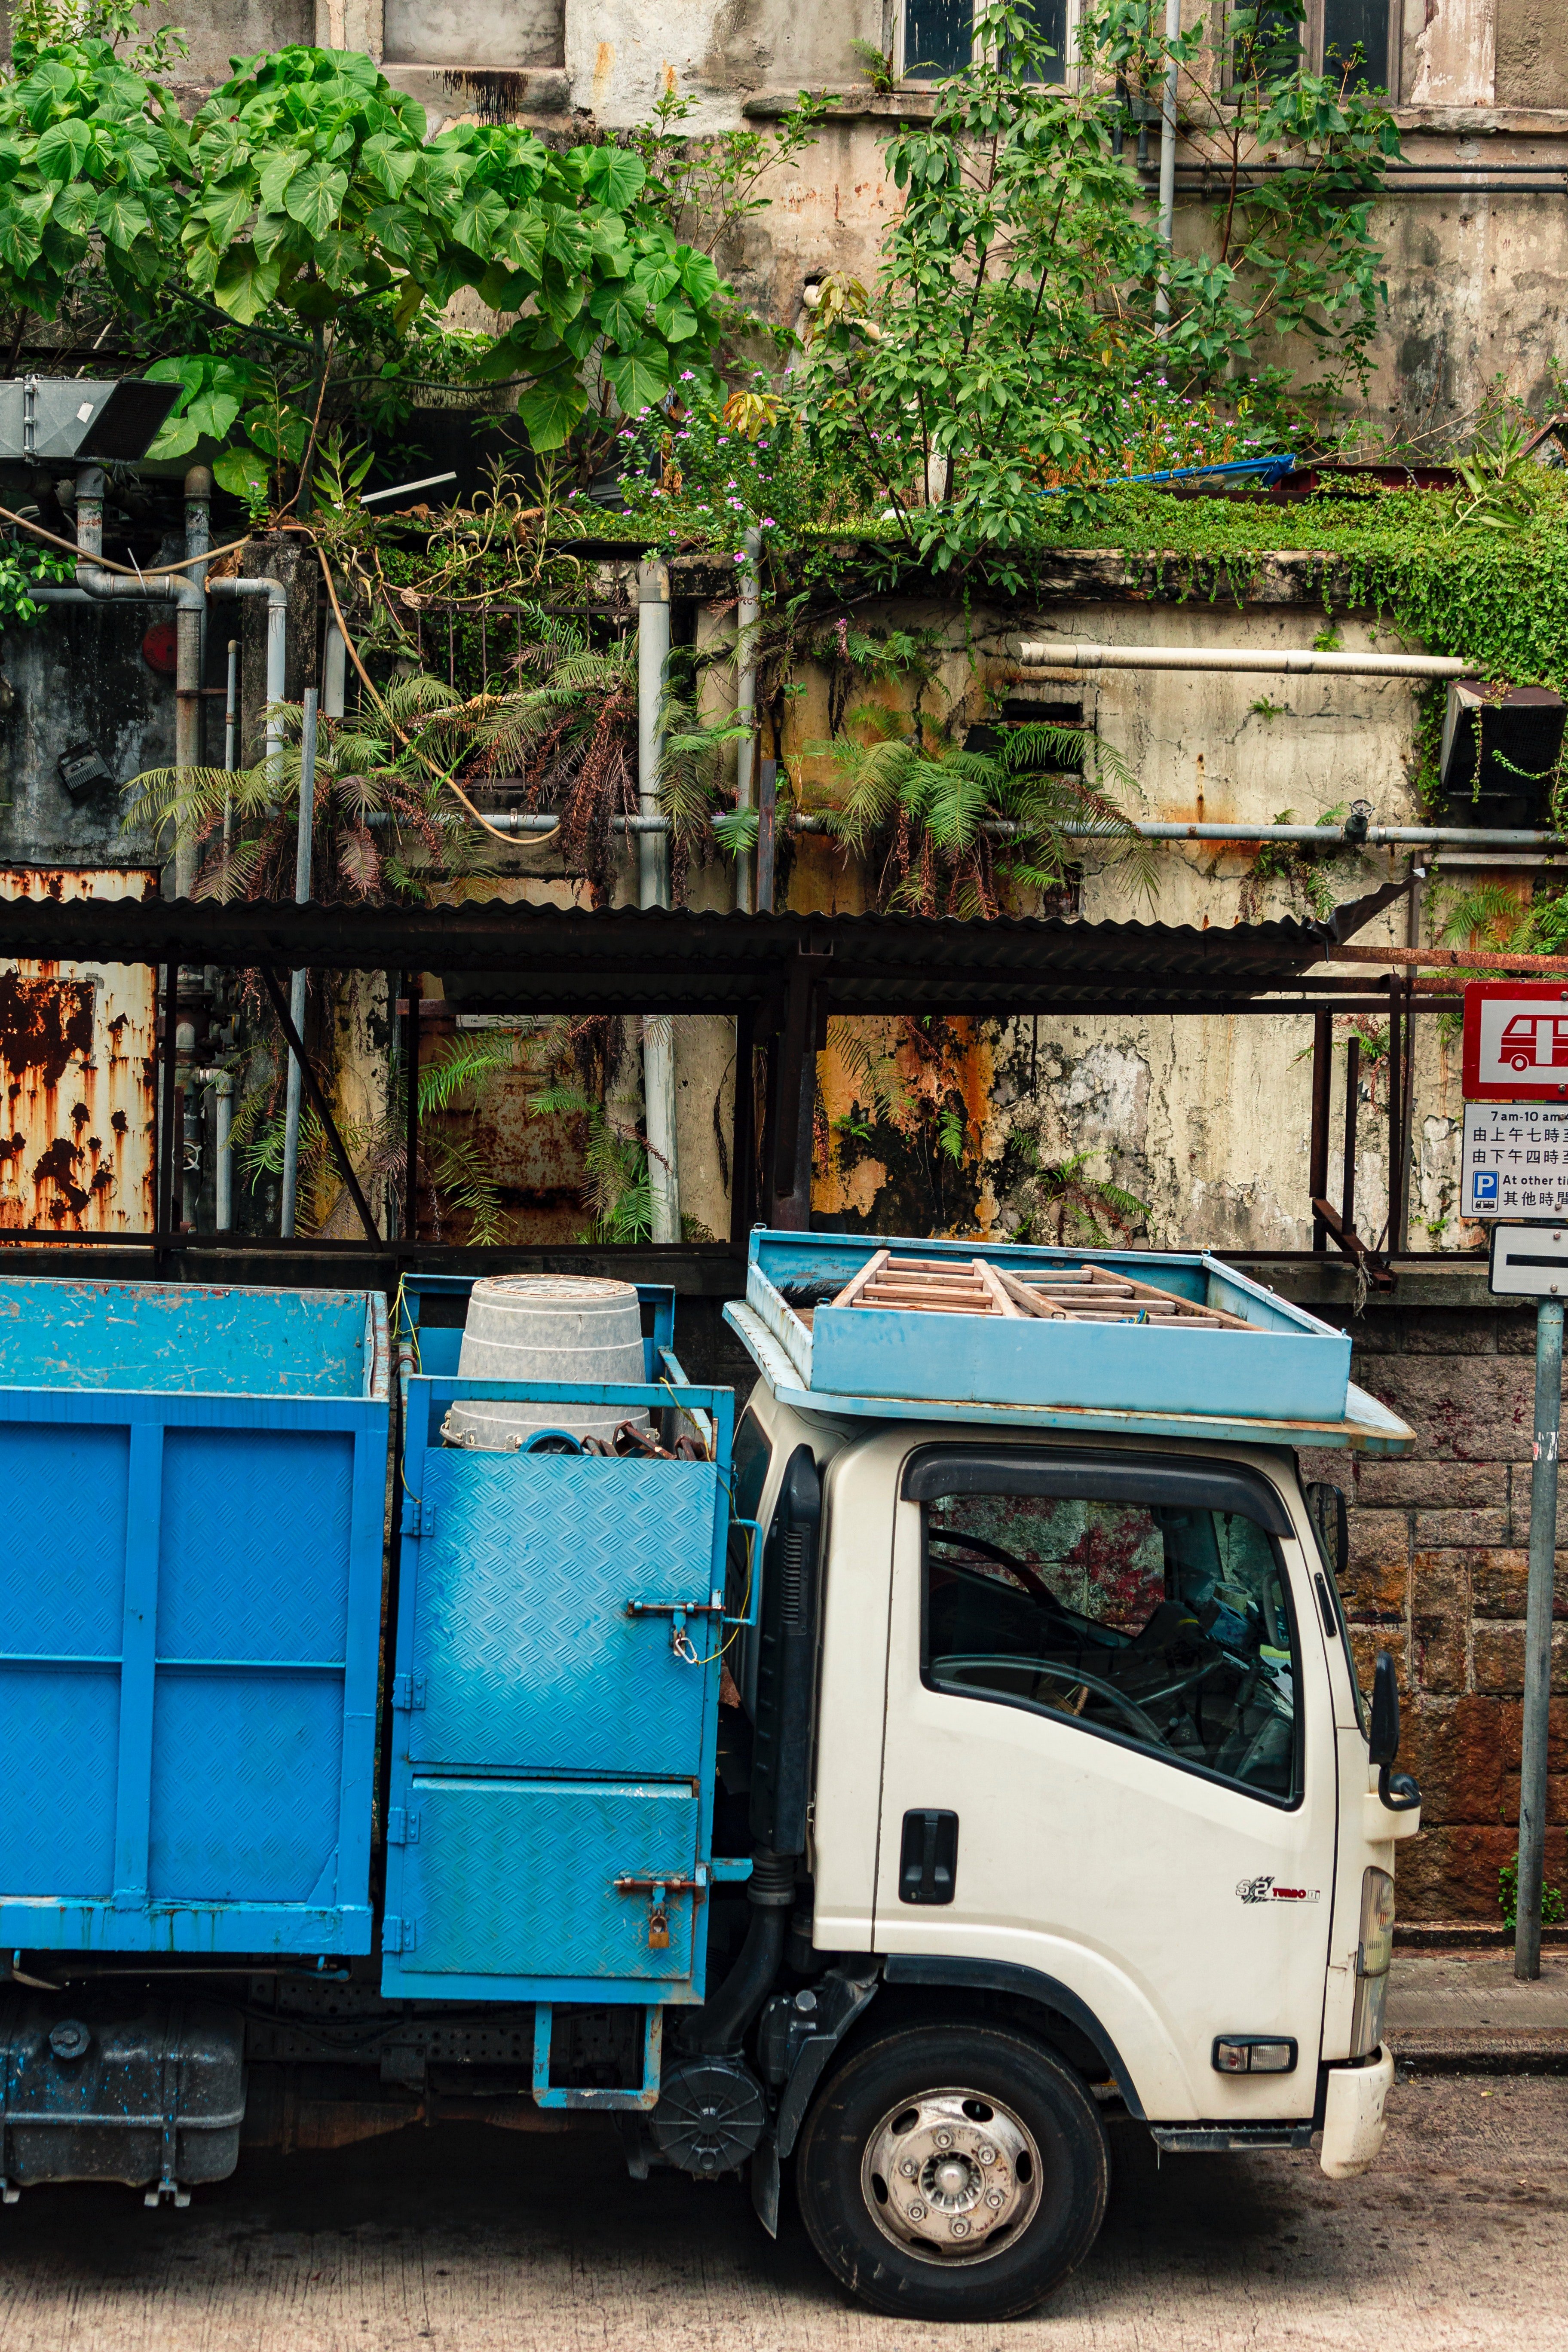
pixel 469 2240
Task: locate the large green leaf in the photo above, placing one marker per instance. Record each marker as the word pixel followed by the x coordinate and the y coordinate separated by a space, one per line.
pixel 618 313
pixel 245 284
pixel 62 153
pixel 227 209
pixel 640 375
pixel 617 177
pixel 389 161
pixel 700 279
pixel 547 412
pixel 122 219
pixel 176 439
pixel 314 197
pixel 242 472
pixel 675 321
pixel 478 221
pixel 277 173
pixel 76 210
pixel 656 279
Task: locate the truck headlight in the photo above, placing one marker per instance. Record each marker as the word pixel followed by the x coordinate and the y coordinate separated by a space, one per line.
pixel 1374 1953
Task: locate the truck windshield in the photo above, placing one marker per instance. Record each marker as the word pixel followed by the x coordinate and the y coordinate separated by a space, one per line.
pixel 1166 1627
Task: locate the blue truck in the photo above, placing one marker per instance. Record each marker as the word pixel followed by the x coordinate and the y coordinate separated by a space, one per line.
pixel 963 1751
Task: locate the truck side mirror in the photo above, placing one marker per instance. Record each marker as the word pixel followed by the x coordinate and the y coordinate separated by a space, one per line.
pixel 1383 1737
pixel 1326 1502
pixel 1397 1790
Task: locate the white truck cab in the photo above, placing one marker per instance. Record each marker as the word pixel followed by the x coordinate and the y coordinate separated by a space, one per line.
pixel 1095 1826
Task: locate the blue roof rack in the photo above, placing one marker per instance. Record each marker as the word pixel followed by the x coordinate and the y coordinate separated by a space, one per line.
pixel 1150 1343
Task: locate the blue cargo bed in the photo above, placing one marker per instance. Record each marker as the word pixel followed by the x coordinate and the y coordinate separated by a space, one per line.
pixel 190 1598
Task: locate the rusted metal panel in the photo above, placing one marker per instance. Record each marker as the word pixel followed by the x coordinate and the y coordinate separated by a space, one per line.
pixel 77 1044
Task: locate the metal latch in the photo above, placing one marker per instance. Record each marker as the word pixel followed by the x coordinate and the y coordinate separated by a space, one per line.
pixel 658 1891
pixel 678 1612
pixel 418 1519
pixel 401 1827
pixel 407 1691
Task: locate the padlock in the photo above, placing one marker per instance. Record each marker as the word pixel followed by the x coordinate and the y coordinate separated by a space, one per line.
pixel 658 1927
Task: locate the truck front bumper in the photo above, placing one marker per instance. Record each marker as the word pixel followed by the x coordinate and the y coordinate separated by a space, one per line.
pixel 1353 2120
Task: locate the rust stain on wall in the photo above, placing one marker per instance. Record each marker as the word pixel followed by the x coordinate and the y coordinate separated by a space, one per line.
pixel 77 1061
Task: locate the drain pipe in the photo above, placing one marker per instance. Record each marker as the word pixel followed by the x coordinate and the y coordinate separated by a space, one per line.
pixel 222 1084
pixel 1167 169
pixel 159 587
pixel 297 985
pixel 653 890
pixel 1039 663
pixel 746 620
pixel 277 596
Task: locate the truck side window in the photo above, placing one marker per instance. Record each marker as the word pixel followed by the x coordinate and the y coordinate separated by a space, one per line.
pixel 1167 1626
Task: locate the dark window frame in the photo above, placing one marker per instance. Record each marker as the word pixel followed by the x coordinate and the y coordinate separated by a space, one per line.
pixel 1048 1475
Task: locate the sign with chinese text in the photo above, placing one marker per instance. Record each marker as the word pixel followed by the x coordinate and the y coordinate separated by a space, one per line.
pixel 1516 1042
pixel 1516 1160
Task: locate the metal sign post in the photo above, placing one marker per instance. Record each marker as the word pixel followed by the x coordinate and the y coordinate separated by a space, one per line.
pixel 1531 1262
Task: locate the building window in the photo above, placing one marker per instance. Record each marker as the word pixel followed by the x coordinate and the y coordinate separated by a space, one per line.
pixel 939 36
pixel 1338 37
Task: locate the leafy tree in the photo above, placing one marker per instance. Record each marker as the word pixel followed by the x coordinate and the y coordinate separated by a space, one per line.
pixel 304 189
pixel 1025 294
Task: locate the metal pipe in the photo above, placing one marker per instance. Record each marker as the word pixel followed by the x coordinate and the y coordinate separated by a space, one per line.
pixel 190 664
pixel 222 1084
pixel 748 615
pixel 1533 1756
pixel 1053 654
pixel 230 737
pixel 1168 164
pixel 653 890
pixel 176 588
pixel 1319 836
pixel 297 984
pixel 277 596
pixel 335 672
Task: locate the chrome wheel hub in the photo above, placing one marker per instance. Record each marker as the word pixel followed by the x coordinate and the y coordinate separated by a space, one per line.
pixel 951 2176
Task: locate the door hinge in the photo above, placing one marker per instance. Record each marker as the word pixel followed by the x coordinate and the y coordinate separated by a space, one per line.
pixel 418 1519
pixel 402 1826
pixel 408 1692
pixel 397 1935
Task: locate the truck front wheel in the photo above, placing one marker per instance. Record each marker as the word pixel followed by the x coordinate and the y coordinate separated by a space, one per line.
pixel 953 2172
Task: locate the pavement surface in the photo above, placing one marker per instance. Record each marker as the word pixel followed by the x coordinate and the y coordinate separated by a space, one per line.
pixel 1467 2010
pixel 463 2239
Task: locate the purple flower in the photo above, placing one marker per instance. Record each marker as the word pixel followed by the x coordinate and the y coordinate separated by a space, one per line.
pixel 768 524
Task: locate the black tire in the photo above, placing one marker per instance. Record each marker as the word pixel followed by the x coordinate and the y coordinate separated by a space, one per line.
pixel 1022 2131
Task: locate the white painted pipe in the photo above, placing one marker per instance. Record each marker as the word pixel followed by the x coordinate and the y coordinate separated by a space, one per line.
pixel 1167 169
pixel 297 984
pixel 653 890
pixel 1064 653
pixel 222 1084
pixel 748 615
pixel 335 672
pixel 277 596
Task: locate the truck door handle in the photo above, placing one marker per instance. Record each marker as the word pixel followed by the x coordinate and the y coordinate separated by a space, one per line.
pixel 928 1858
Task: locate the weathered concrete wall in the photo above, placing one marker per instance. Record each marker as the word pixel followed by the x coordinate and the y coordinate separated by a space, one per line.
pixel 78 678
pixel 1438 1547
pixel 1204 1121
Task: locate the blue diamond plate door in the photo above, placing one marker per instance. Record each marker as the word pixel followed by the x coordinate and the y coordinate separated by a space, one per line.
pixel 554 1706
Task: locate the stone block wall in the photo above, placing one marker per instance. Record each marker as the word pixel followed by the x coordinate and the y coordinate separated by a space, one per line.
pixel 1438 1562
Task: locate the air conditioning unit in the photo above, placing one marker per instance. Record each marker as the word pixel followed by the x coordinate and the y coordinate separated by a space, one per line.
pixel 1501 749
pixel 83 422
